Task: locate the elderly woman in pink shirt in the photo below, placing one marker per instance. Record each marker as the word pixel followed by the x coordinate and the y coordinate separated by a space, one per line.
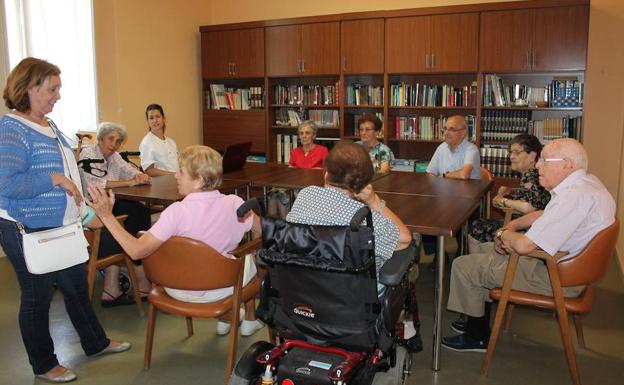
pixel 199 177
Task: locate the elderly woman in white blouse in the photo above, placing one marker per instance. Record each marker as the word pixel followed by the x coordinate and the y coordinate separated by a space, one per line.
pixel 103 166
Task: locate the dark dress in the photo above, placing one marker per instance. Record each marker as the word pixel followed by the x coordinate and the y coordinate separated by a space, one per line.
pixel 530 191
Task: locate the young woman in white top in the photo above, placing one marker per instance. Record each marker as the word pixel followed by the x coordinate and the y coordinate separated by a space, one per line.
pixel 159 154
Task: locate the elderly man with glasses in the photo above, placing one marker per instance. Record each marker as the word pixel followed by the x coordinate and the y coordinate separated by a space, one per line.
pixel 457 157
pixel 579 208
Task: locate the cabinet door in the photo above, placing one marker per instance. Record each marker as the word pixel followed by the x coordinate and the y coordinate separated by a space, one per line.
pixel 320 48
pixel 248 53
pixel 362 44
pixel 560 41
pixel 454 42
pixel 216 54
pixel 283 50
pixel 407 44
pixel 505 43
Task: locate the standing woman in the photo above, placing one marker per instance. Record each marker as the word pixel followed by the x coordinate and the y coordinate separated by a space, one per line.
pixel 380 154
pixel 39 189
pixel 159 153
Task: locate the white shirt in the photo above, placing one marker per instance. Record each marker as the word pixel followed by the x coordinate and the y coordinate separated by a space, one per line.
pixel 444 160
pixel 162 154
pixel 579 208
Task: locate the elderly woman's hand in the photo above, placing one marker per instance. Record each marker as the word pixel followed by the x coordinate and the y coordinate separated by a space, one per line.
pixel 100 201
pixel 66 184
pixel 142 179
pixel 368 197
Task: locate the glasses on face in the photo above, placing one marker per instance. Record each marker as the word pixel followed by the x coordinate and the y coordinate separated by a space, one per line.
pixel 547 160
pixel 445 129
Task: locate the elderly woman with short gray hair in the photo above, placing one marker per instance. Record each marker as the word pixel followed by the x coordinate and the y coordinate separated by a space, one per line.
pixel 115 172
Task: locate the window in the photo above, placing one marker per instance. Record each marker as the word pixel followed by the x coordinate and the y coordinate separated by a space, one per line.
pixel 60 32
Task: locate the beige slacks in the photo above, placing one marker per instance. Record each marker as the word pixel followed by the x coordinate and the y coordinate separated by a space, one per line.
pixel 473 275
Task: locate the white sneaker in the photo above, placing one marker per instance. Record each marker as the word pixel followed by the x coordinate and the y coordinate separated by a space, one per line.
pixel 248 328
pixel 223 327
pixel 409 330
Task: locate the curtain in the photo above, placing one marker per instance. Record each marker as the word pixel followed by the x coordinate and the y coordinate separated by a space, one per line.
pixel 61 32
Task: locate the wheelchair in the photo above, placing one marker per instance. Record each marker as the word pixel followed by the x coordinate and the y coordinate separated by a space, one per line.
pixel 321 299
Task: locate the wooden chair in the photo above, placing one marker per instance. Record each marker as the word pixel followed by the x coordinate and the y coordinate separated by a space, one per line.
pixel 584 269
pixel 81 138
pixel 95 264
pixel 186 264
pixel 487 175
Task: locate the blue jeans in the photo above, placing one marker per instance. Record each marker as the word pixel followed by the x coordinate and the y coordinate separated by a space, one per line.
pixel 36 295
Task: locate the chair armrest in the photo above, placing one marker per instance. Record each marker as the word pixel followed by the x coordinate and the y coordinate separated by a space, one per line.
pixel 392 272
pixel 541 254
pixel 247 248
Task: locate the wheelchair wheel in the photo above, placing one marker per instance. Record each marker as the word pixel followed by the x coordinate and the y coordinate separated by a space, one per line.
pixel 124 282
pixel 247 370
pixel 396 375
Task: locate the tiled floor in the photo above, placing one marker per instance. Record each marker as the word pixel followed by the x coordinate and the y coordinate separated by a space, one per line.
pixel 530 354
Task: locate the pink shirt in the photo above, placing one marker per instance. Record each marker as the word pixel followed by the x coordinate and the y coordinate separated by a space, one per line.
pixel 580 206
pixel 209 217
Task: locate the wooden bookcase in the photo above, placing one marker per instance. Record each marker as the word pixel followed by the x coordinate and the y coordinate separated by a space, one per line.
pixel 526 42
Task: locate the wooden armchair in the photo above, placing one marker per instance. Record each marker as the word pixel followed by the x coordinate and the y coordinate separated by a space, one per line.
pixel 487 175
pixel 187 264
pixel 584 269
pixel 95 264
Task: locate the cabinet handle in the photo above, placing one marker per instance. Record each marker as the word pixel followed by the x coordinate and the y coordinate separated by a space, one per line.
pixel 433 63
pixel 427 61
pixel 299 65
pixel 528 59
pixel 303 66
pixel 233 69
pixel 344 63
pixel 534 64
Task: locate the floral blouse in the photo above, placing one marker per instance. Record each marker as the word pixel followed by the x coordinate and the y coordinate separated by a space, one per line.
pixel 529 191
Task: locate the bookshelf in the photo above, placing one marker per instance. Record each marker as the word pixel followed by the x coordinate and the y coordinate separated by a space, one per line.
pixel 453 50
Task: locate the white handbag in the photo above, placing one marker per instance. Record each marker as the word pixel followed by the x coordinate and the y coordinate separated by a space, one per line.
pixel 54 249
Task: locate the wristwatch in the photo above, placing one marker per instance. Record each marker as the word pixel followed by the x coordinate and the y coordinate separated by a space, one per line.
pixel 499 232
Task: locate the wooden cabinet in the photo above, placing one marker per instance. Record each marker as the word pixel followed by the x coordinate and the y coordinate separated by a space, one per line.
pixel 440 43
pixel 225 127
pixel 235 53
pixel 303 49
pixel 543 39
pixel 362 46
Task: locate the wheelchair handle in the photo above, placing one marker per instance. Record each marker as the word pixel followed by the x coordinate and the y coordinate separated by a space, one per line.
pixel 246 207
pixel 358 218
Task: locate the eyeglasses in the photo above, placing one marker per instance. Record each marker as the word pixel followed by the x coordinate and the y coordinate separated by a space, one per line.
pixel 445 129
pixel 545 160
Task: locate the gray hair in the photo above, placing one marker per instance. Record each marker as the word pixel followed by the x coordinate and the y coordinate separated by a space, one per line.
pixel 573 150
pixel 105 128
pixel 308 123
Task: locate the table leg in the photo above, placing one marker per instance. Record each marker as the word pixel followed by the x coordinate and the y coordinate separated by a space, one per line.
pixel 438 299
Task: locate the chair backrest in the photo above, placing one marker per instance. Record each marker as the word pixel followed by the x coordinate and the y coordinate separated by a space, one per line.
pixel 186 264
pixel 486 174
pixel 591 264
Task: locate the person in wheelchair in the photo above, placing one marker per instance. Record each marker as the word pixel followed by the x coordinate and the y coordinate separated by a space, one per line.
pixel 336 291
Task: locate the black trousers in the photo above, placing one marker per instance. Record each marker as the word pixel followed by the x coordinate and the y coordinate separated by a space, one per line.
pixel 138 220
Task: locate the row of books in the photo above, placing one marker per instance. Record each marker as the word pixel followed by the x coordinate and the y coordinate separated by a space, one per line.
pixel 554 128
pixel 496 160
pixel 290 117
pixel 428 95
pixel 503 125
pixel 427 127
pixel 497 93
pixel 365 95
pixel 307 95
pixel 356 128
pixel 229 98
pixel 286 143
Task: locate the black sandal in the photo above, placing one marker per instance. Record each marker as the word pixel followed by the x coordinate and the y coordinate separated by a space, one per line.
pixel 122 299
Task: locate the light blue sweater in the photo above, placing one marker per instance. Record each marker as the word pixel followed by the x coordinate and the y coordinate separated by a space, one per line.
pixel 27 158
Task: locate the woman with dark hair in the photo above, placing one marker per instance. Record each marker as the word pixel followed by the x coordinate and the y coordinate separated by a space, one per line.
pixel 40 189
pixel 381 155
pixel 159 153
pixel 524 151
pixel 348 173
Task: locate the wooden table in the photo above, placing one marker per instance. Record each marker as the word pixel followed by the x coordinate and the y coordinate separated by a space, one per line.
pixel 163 190
pixel 424 184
